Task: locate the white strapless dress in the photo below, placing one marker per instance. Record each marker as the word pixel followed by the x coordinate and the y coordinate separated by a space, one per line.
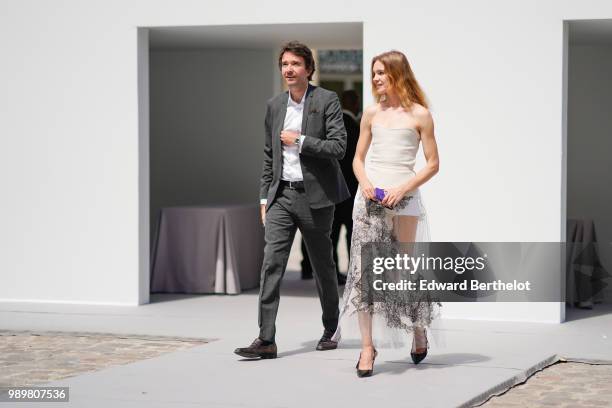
pixel 390 162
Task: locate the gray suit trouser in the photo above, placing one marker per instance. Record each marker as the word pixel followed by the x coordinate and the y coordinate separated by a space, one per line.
pixel 290 211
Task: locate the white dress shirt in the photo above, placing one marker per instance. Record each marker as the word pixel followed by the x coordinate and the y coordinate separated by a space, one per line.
pixel 291 153
pixel 292 171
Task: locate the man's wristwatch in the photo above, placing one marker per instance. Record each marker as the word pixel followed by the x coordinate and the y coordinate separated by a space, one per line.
pixel 297 141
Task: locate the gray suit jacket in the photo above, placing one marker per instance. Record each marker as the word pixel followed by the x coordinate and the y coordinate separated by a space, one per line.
pixel 324 144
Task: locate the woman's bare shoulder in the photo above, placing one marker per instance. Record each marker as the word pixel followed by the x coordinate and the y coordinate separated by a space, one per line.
pixel 420 111
pixel 422 115
pixel 370 111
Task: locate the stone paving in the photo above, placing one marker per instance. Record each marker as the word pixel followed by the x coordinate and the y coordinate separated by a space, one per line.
pixel 37 357
pixel 30 358
pixel 563 384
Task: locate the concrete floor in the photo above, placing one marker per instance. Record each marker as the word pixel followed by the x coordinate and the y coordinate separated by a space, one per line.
pixel 480 358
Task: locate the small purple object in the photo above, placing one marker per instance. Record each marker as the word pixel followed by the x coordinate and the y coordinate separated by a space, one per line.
pixel 379 193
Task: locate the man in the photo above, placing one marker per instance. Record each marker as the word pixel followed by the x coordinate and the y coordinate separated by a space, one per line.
pixel 343 214
pixel 300 183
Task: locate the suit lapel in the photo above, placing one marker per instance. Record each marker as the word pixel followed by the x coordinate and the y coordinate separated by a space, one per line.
pixel 306 108
pixel 282 112
pixel 280 119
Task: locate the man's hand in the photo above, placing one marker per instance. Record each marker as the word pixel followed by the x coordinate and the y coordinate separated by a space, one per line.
pixel 288 137
pixel 263 214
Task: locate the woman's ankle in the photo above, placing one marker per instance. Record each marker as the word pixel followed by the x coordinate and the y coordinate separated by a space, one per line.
pixel 420 338
pixel 367 347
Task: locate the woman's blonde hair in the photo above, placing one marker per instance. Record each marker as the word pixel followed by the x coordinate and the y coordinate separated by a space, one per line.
pixel 401 78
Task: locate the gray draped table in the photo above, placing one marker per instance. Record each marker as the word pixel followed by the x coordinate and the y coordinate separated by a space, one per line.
pixel 208 249
pixel 584 272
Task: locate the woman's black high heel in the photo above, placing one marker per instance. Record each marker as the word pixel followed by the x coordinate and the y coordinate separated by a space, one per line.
pixel 366 373
pixel 418 357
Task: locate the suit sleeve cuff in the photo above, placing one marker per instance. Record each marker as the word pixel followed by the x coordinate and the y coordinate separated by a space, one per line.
pixel 302 137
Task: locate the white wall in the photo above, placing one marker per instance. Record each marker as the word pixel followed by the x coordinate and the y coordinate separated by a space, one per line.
pixel 69 117
pixel 207 110
pixel 590 143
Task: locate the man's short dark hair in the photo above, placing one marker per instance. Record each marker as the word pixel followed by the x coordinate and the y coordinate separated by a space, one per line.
pixel 301 50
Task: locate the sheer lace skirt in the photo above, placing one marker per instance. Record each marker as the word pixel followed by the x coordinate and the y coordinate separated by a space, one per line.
pixel 393 314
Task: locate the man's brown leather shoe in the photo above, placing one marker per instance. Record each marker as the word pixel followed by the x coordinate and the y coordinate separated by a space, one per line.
pixel 326 343
pixel 257 349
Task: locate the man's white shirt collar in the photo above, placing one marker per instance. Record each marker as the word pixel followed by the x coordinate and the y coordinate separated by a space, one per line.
pixel 294 103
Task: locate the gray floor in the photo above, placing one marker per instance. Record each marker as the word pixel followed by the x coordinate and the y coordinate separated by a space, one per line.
pixel 480 357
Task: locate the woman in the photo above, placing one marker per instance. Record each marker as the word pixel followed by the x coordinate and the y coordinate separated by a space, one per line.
pixel 390 133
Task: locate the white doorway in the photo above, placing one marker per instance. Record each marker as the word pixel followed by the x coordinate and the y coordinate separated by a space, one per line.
pixel 588 153
pixel 202 94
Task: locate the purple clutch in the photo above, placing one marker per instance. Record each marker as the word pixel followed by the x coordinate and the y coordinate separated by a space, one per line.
pixel 379 193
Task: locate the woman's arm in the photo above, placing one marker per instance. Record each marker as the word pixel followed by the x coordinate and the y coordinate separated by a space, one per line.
pixel 430 149
pixel 363 144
